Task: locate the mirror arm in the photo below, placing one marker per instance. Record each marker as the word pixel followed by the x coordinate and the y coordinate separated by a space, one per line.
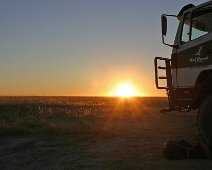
pixel 167 15
pixel 173 46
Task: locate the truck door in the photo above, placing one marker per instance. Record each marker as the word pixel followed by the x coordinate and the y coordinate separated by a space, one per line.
pixel 194 54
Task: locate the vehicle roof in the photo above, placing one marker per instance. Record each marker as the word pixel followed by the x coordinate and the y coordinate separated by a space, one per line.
pixel 199 6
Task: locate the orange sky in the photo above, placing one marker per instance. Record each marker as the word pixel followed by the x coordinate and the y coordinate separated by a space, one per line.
pixel 80 47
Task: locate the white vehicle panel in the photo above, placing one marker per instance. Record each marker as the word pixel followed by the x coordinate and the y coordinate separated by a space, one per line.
pixel 186 77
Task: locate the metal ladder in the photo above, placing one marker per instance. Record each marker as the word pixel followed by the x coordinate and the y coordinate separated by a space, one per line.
pixel 167 69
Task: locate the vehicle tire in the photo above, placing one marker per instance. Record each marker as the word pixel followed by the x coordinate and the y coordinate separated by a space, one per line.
pixel 205 120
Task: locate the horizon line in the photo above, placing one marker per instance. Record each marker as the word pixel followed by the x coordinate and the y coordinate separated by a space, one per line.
pixel 72 96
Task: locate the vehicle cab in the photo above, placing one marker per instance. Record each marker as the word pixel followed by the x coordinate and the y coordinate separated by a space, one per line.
pixel 191 58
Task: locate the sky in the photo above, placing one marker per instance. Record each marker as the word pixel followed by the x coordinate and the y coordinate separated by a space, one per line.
pixel 82 47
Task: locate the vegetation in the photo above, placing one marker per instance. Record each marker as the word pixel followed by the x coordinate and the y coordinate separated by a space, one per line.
pixel 90 133
pixel 70 116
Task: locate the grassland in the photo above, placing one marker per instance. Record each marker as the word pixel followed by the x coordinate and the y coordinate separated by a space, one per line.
pixel 68 116
pixel 91 133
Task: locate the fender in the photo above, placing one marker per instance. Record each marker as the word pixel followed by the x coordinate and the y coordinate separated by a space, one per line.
pixel 202 76
pixel 203 87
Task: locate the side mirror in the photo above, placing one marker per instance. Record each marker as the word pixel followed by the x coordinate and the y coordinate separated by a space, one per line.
pixel 164 25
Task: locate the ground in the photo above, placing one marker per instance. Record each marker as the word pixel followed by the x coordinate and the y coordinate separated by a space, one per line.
pixel 111 143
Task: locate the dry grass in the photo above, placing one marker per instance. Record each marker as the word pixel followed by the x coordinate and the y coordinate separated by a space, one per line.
pixel 91 133
pixel 74 117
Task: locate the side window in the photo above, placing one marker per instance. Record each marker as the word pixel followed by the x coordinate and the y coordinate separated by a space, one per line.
pixel 185 36
pixel 196 24
pixel 201 22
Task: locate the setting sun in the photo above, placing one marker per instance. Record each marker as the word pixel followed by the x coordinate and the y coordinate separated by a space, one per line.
pixel 125 90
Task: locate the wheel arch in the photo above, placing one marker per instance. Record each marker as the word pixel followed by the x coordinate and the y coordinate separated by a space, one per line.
pixel 203 76
pixel 202 88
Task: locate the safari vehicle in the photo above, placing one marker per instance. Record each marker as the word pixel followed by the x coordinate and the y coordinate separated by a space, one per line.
pixel 188 74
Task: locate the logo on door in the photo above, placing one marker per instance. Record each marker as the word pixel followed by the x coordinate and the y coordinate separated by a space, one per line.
pixel 199 57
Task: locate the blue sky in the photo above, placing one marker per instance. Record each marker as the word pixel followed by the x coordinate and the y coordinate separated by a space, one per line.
pixel 81 47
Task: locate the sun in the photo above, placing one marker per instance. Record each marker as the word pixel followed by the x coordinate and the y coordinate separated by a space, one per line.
pixel 125 90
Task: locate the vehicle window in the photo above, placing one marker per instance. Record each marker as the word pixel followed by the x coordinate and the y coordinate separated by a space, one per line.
pixel 201 22
pixel 185 36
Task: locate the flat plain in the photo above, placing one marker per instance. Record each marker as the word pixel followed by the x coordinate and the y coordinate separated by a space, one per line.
pixel 93 133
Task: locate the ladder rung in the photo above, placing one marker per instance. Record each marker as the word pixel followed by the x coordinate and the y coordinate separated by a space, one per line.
pixel 162 68
pixel 162 77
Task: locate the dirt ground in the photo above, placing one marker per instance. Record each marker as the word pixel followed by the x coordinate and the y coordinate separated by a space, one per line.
pixel 139 146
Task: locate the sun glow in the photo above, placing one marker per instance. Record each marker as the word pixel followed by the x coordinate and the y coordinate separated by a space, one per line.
pixel 125 90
